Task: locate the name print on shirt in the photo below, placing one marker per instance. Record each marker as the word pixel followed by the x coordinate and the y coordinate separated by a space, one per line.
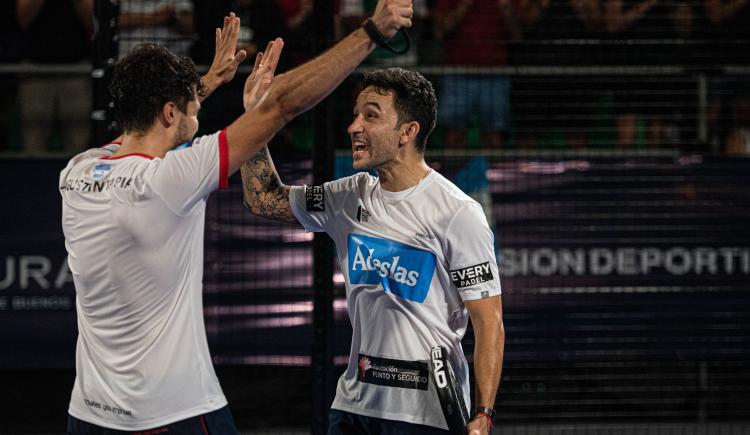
pixel 81 185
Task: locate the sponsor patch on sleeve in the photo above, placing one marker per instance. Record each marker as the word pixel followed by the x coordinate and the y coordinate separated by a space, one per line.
pixel 315 198
pixel 472 275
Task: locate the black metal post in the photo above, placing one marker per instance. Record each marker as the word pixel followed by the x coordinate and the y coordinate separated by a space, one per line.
pixel 104 56
pixel 323 322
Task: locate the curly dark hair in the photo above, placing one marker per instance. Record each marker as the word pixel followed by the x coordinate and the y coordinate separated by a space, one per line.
pixel 148 77
pixel 414 98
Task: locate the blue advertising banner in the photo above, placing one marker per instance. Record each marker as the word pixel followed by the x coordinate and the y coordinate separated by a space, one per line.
pixel 599 257
pixel 37 296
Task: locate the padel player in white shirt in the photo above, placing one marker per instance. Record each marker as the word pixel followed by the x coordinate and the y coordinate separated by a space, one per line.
pixel 133 219
pixel 417 257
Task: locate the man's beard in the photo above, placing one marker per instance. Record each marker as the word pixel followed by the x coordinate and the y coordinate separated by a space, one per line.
pixel 183 133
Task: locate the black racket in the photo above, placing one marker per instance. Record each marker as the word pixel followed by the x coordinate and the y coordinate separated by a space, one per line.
pixel 450 395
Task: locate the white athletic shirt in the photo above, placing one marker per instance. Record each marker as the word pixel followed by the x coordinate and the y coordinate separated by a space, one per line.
pixel 409 261
pixel 133 230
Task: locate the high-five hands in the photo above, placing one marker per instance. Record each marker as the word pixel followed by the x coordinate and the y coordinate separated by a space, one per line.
pixel 226 57
pixel 259 80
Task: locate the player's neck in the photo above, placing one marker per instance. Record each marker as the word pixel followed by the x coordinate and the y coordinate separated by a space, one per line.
pixel 402 176
pixel 154 143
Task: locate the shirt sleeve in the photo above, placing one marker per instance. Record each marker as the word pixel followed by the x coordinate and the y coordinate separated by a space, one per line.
pixel 315 207
pixel 312 206
pixel 470 254
pixel 186 177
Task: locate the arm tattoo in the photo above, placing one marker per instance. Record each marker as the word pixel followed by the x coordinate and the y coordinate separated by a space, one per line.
pixel 264 193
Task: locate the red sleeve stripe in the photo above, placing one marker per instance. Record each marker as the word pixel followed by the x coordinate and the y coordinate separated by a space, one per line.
pixel 223 160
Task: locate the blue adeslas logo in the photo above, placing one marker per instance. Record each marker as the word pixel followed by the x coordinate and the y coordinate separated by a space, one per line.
pixel 401 269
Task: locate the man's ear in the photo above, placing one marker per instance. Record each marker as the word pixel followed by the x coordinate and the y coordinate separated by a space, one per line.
pixel 169 114
pixel 408 133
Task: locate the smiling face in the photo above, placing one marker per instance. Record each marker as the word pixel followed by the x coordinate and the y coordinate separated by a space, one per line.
pixel 375 130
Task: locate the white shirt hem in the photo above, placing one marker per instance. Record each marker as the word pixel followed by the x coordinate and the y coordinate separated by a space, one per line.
pixel 408 418
pixel 149 424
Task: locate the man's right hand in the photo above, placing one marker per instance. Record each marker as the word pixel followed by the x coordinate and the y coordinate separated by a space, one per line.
pixel 391 15
pixel 260 78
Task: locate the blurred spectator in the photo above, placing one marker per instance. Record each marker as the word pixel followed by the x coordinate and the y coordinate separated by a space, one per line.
pixel 352 14
pixel 261 21
pixel 729 98
pixel 738 136
pixel 299 27
pixel 556 33
pixel 730 31
pixel 475 34
pixel 165 22
pixel 56 109
pixel 10 52
pixel 299 47
pixel 647 32
pixel 729 113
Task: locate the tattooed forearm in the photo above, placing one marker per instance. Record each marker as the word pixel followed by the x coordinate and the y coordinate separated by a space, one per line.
pixel 264 193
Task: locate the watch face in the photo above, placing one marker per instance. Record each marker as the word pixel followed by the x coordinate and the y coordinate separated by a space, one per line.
pixel 488 411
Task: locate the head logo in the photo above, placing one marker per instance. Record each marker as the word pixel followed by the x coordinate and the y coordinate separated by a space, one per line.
pixel 401 269
pixel 438 367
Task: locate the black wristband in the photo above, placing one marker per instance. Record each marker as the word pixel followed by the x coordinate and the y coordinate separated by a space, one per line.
pixel 379 39
pixel 374 33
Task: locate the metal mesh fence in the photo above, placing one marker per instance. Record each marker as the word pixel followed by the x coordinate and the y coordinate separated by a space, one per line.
pixel 607 147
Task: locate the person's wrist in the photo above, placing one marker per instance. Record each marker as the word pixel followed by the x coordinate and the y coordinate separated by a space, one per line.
pixel 374 33
pixel 488 413
pixel 209 82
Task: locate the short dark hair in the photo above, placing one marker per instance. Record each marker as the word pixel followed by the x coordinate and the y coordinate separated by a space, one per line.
pixel 148 77
pixel 414 98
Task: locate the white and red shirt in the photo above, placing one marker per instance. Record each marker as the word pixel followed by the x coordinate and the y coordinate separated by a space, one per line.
pixel 133 229
pixel 409 260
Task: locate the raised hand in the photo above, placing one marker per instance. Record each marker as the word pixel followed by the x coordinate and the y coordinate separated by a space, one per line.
pixel 391 15
pixel 259 80
pixel 226 57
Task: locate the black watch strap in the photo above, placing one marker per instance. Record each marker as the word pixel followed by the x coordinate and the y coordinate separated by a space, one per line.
pixel 489 411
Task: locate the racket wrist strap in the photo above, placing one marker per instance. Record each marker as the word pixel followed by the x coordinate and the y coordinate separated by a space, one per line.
pixel 374 33
pixel 380 40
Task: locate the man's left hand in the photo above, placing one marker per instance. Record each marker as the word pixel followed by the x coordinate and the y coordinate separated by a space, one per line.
pixel 226 58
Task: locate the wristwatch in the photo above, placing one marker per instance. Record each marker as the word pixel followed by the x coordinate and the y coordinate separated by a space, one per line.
pixel 488 412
